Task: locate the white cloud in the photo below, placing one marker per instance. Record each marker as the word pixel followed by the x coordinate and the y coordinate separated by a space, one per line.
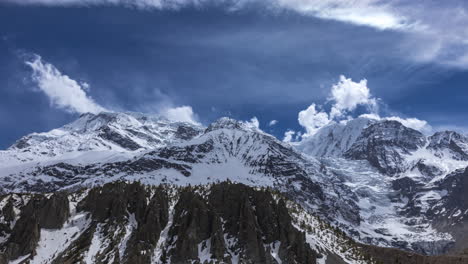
pixel 413 123
pixel 254 123
pixel 289 136
pixel 347 95
pixel 273 122
pixel 63 92
pixel 442 40
pixel 363 12
pixel 181 114
pixel 312 120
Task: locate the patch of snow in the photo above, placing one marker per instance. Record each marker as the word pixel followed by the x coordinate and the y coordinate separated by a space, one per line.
pixel 53 241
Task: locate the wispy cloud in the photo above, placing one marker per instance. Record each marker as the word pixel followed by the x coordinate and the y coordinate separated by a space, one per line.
pixel 63 92
pixel 363 12
pixel 434 31
pixel 69 95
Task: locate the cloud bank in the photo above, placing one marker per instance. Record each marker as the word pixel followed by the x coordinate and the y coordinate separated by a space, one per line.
pixel 63 92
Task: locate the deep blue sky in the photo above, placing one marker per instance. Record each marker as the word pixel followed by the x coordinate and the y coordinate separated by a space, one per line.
pixel 251 62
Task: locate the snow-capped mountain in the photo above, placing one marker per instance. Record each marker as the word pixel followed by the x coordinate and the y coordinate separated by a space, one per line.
pixel 414 174
pixel 382 183
pixel 105 132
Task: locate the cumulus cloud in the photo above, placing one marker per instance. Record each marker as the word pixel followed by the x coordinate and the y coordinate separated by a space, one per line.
pixel 289 136
pixel 312 119
pixel 63 92
pixel 273 122
pixel 181 114
pixel 347 95
pixel 254 123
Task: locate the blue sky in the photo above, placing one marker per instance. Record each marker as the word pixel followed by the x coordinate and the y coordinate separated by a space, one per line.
pixel 268 59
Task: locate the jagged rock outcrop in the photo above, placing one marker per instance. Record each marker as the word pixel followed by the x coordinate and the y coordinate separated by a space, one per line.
pixel 273 224
pixel 132 223
pixel 39 212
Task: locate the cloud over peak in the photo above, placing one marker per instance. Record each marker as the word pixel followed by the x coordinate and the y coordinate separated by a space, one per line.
pixel 63 92
pixel 69 95
pixel 346 95
pixel 181 114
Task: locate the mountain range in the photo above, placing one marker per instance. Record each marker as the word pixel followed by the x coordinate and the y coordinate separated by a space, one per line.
pixel 136 188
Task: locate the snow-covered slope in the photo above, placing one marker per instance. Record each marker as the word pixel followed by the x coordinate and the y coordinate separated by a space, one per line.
pixel 106 132
pixel 401 178
pixel 334 139
pixel 349 191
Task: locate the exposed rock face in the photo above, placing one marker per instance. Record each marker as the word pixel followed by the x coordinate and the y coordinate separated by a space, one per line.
pixel 427 169
pixel 455 143
pixel 272 223
pixel 109 134
pixel 451 211
pixel 39 212
pixel 384 143
pixel 395 256
pixel 236 219
pixel 132 223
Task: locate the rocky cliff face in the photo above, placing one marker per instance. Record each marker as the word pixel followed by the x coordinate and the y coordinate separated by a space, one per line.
pixel 384 145
pixel 132 223
pixel 449 143
pixel 222 223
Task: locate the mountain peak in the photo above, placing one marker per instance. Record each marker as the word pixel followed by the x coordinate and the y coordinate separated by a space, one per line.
pixel 334 139
pixel 230 123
